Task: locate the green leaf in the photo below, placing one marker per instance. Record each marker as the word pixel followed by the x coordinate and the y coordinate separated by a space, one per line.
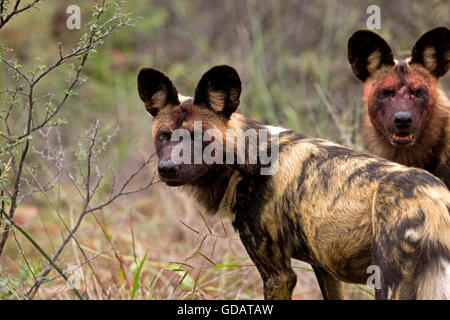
pixel 150 296
pixel 207 258
pixel 23 274
pixel 136 278
pixel 225 265
pixel 187 281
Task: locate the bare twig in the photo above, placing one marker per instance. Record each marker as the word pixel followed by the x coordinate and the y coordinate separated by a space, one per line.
pixel 18 144
pixel 5 17
pixel 38 247
pixel 345 134
pixel 31 293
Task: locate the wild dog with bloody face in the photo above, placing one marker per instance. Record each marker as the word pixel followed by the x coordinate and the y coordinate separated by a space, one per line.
pixel 407 114
pixel 339 210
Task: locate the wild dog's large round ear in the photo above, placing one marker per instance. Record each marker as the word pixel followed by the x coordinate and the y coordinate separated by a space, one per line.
pixel 432 51
pixel 219 89
pixel 368 52
pixel 156 90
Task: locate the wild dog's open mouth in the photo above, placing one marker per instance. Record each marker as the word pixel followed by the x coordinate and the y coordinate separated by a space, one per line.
pixel 402 138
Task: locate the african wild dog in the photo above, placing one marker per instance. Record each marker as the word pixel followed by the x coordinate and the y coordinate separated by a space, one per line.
pixel 339 210
pixel 407 115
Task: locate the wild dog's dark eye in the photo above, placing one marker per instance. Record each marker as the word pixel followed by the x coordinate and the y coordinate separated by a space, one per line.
pixel 420 93
pixel 164 136
pixel 385 93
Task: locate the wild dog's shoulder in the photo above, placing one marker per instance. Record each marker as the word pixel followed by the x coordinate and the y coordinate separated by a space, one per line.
pixel 327 149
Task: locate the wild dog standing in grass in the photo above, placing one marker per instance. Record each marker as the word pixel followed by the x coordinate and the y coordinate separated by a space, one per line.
pixel 339 210
pixel 407 118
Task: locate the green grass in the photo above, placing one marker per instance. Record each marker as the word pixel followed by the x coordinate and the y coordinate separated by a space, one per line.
pixel 137 277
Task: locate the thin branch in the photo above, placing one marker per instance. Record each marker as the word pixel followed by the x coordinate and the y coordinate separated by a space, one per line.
pixel 33 290
pixel 16 69
pixel 122 191
pixel 4 19
pixel 38 247
pixel 23 256
pixel 14 91
pixel 18 173
pixel 345 134
pixel 93 38
pixel 83 52
pixel 86 261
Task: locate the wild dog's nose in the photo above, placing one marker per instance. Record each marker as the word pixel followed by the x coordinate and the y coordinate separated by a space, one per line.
pixel 167 169
pixel 402 120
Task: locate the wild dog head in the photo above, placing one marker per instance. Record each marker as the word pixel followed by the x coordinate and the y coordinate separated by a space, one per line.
pixel 400 95
pixel 215 100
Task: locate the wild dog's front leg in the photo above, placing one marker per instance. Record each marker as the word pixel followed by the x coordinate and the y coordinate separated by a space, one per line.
pixel 330 287
pixel 279 285
pixel 273 264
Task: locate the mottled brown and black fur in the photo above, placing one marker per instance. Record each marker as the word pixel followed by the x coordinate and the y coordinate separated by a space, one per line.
pixel 339 210
pixel 407 115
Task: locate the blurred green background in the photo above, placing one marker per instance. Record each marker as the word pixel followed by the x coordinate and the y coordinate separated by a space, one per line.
pixel 291 56
pixel 281 49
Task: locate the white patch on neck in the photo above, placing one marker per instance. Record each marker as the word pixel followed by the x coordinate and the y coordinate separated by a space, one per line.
pixel 275 130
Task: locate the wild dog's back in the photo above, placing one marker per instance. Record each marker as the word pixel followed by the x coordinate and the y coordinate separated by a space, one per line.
pixel 332 207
